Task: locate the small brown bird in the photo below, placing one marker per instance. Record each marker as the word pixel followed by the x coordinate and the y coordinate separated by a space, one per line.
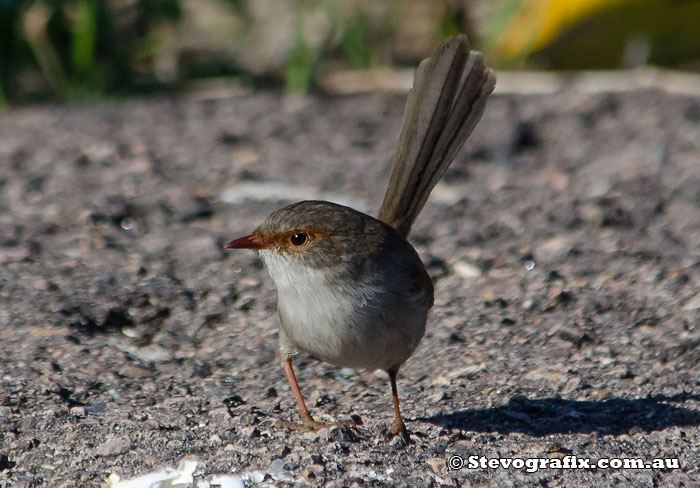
pixel 351 290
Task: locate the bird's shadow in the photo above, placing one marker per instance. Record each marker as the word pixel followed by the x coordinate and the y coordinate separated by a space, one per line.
pixel 541 417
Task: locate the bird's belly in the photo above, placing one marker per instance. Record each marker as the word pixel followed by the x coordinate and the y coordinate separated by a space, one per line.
pixel 347 321
pixel 351 329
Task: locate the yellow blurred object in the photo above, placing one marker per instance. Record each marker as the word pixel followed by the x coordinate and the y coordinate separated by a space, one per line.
pixel 599 33
pixel 538 22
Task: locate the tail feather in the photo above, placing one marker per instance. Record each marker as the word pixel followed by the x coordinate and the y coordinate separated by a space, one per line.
pixel 448 98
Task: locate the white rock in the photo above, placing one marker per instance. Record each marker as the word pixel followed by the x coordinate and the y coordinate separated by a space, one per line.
pixel 466 270
pixel 150 480
pixel 226 481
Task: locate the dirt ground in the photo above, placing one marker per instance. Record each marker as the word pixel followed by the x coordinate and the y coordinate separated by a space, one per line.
pixel 564 244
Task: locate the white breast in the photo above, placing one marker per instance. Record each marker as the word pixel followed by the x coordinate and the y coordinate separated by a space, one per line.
pixel 340 322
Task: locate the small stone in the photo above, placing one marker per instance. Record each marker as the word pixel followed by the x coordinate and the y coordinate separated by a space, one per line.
pixel 234 401
pixel 247 419
pixel 572 335
pixel 284 452
pixel 466 270
pixel 341 433
pixel 219 412
pixel 201 370
pixel 347 372
pixel 224 481
pixel 571 385
pixel 137 371
pixel 441 380
pixel 324 399
pixel 622 372
pixel 693 303
pixel 186 467
pixel 114 446
pixel 438 396
pixel 247 303
pixel 448 194
pixel 255 477
pixel 98 407
pixel 244 155
pixel 276 466
pixel 23 484
pixel 40 284
pixel 466 372
pixel 12 255
pixel 553 248
pixel 5 462
pixel 77 411
pixel 284 476
pixel 550 375
pixel 436 464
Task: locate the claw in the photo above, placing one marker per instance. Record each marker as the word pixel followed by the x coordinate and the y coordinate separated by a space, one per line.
pixel 397 429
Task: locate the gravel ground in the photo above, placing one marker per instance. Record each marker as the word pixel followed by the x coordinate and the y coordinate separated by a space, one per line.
pixel 564 244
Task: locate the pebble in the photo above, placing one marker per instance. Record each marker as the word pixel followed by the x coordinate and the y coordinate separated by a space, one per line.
pixel 466 270
pixel 246 303
pixel 285 476
pixel 244 155
pixel 347 372
pixel 448 194
pixel 341 433
pixel 77 411
pixel 224 481
pixel 98 407
pixel 276 466
pixel 693 303
pixel 550 375
pixel 436 464
pixel 114 446
pixel 254 476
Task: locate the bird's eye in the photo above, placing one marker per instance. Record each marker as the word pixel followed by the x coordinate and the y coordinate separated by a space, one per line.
pixel 298 239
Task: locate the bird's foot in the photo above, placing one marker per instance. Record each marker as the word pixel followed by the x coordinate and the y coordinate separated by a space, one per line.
pixel 397 431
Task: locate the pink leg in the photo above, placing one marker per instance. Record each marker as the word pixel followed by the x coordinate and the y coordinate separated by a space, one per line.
pixel 306 419
pixel 398 428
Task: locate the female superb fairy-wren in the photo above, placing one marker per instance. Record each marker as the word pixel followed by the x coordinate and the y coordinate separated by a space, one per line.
pixel 351 290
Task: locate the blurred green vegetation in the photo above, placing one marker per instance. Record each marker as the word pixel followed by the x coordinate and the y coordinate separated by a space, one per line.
pixel 73 49
pixel 66 49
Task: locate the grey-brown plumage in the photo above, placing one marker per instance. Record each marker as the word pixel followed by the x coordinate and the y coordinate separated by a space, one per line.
pixel 448 98
pixel 351 290
pixel 354 294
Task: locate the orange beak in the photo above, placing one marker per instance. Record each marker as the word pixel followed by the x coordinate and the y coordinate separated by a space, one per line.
pixel 247 242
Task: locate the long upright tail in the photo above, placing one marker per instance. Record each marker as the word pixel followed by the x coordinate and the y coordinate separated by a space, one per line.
pixel 447 100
